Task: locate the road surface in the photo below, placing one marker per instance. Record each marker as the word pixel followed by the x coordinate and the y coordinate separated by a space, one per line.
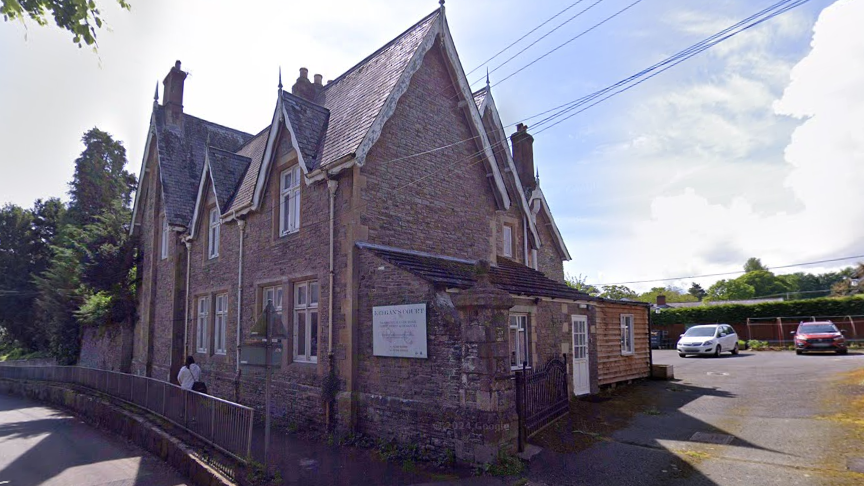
pixel 40 445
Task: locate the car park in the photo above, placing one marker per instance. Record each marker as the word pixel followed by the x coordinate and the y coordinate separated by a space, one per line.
pixel 709 339
pixel 819 336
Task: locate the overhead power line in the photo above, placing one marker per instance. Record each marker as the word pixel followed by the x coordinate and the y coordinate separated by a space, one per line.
pixel 527 34
pixel 739 272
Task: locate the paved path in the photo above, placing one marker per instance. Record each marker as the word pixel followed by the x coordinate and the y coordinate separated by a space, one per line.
pixel 769 406
pixel 40 445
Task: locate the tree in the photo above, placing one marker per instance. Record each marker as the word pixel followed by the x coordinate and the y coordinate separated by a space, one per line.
pixel 697 291
pixel 764 283
pixel 852 285
pixel 100 179
pixel 730 290
pixel 579 284
pixel 618 292
pixel 16 263
pixel 753 264
pixel 80 17
pixel 672 294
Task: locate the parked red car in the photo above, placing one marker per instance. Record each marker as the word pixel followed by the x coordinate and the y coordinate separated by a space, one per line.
pixel 819 336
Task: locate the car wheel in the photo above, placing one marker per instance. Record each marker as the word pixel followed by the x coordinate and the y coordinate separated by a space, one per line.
pixel 735 349
pixel 682 355
pixel 799 352
pixel 718 351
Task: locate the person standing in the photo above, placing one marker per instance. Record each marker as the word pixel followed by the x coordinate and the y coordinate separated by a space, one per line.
pixel 190 376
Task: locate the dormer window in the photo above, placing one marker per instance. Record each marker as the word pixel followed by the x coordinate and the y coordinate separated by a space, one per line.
pixel 213 235
pixel 507 243
pixel 289 201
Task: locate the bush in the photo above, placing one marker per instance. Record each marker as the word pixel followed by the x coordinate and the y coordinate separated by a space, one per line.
pixel 738 313
pixel 757 345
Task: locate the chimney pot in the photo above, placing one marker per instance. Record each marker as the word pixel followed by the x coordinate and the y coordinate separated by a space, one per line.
pixel 661 300
pixel 318 79
pixel 304 73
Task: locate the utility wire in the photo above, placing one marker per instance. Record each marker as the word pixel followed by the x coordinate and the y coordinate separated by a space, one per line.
pixel 526 35
pixel 739 272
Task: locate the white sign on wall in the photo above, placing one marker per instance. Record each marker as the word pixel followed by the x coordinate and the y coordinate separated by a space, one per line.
pixel 399 331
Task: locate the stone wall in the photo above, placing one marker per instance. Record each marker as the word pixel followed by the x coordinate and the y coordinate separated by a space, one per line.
pixel 107 348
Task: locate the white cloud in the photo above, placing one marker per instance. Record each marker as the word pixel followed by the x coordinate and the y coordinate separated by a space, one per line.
pixel 720 142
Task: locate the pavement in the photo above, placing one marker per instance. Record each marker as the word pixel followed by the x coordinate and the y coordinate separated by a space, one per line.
pixel 41 445
pixel 771 415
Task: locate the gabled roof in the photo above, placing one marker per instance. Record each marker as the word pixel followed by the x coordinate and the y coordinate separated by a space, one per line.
pixel 537 195
pixel 226 170
pixel 509 276
pixel 308 125
pixel 254 150
pixel 180 154
pixel 480 97
pixel 355 98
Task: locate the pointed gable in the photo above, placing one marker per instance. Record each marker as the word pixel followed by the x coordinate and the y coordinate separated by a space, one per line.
pixel 356 98
pixel 308 124
pixel 181 154
pixel 227 170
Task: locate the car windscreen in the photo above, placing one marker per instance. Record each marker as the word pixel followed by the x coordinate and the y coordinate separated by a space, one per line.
pixel 816 329
pixel 700 331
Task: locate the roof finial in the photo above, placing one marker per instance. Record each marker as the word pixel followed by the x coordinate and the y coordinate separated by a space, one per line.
pixel 487 78
pixel 537 177
pixel 156 94
pixel 280 78
pixel 441 2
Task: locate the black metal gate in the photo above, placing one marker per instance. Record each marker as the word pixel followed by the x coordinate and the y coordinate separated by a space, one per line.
pixel 541 397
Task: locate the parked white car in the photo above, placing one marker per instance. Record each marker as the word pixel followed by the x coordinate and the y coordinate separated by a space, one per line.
pixel 708 339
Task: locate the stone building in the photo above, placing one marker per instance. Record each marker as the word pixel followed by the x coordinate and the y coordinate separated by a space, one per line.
pixel 400 236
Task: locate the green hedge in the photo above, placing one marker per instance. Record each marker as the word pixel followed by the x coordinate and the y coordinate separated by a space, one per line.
pixel 738 313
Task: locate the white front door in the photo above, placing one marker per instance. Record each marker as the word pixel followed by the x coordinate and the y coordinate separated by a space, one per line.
pixel 581 370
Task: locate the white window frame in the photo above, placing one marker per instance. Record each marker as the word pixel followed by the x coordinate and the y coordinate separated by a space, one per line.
pixel 273 293
pixel 507 240
pixel 213 235
pixel 289 201
pixel 220 325
pixel 520 326
pixel 203 323
pixel 304 309
pixel 627 335
pixel 164 241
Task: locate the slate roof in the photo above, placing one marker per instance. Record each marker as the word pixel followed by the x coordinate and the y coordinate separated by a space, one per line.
pixel 356 97
pixel 309 122
pixel 480 97
pixel 226 170
pixel 254 150
pixel 509 276
pixel 181 159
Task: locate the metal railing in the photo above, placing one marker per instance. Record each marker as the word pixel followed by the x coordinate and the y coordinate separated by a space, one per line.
pixel 225 425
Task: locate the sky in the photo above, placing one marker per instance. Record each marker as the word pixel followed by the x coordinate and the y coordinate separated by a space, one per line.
pixel 754 148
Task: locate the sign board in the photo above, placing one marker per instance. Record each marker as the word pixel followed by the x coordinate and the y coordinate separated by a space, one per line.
pixel 399 331
pixel 253 354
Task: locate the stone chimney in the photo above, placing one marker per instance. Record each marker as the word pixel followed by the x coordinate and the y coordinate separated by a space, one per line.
pixel 172 95
pixel 305 88
pixel 523 155
pixel 661 300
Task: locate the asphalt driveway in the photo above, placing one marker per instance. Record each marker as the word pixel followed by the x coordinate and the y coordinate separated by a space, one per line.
pixel 757 418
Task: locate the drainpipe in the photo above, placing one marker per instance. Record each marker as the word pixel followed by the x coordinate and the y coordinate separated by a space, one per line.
pixel 241 224
pixel 525 240
pixel 186 314
pixel 650 351
pixel 332 185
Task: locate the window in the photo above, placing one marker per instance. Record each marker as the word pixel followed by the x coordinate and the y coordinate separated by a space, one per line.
pixel 289 201
pixel 164 237
pixel 220 324
pixel 203 321
pixel 306 322
pixel 507 236
pixel 274 295
pixel 213 236
pixel 626 333
pixel 518 340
